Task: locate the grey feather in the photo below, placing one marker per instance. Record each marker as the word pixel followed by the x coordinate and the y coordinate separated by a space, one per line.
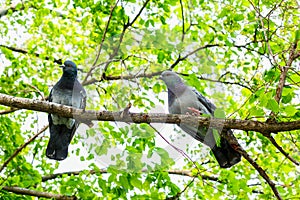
pixel 67 91
pixel 182 99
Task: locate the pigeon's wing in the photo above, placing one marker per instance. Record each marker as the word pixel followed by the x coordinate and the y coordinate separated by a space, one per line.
pixel 60 138
pixel 50 96
pixel 224 154
pixel 83 100
pixel 204 101
pixel 78 95
pixel 81 95
pixel 61 133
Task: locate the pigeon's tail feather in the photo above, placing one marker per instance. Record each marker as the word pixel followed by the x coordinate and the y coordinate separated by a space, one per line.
pixel 225 154
pixel 60 138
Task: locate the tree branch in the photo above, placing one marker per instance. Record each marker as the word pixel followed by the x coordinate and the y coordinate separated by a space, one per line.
pixel 233 142
pixel 116 48
pixel 139 13
pixel 292 56
pixel 22 51
pixel 35 193
pixel 85 116
pixel 186 173
pixel 153 74
pixel 125 27
pixel 18 150
pixel 104 171
pixel 10 110
pixel 273 141
pixel 182 16
pixel 179 59
pixel 102 41
pixel 127 77
pixel 4 12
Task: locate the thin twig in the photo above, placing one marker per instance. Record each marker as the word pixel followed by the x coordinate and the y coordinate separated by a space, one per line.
pixel 18 50
pixel 101 43
pixel 38 91
pixel 125 27
pixel 274 8
pixel 187 173
pixel 4 112
pixel 219 81
pixel 139 13
pixel 18 150
pixel 184 189
pixel 176 148
pixel 182 16
pixel 273 141
pixel 179 59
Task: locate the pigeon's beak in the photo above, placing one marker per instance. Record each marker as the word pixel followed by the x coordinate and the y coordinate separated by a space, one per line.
pixel 62 66
pixel 160 77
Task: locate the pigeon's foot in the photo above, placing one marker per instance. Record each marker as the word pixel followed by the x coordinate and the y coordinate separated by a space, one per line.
pixel 194 111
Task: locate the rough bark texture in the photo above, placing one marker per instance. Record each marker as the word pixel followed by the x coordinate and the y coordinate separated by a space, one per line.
pixel 35 193
pixel 86 116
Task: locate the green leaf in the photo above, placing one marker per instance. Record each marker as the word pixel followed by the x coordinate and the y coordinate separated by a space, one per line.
pixel 297 36
pixel 136 182
pixel 290 110
pixel 217 137
pixel 257 111
pixel 272 105
pixel 219 113
pixel 160 57
pixel 157 88
pixel 238 17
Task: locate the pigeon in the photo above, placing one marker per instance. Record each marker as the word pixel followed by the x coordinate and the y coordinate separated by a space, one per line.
pixel 67 91
pixel 183 99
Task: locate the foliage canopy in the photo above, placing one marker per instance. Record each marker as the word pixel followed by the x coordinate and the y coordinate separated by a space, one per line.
pixel 243 55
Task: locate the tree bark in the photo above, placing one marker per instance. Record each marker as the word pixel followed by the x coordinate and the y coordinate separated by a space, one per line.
pixel 87 116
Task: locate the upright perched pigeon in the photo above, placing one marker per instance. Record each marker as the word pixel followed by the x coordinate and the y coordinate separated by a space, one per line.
pixel 182 100
pixel 67 91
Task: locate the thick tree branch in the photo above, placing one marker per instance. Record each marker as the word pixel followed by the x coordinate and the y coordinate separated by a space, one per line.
pixel 233 142
pixel 88 115
pixel 35 193
pixel 65 111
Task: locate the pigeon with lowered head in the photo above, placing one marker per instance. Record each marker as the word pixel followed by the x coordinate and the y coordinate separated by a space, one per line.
pixel 182 99
pixel 67 91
